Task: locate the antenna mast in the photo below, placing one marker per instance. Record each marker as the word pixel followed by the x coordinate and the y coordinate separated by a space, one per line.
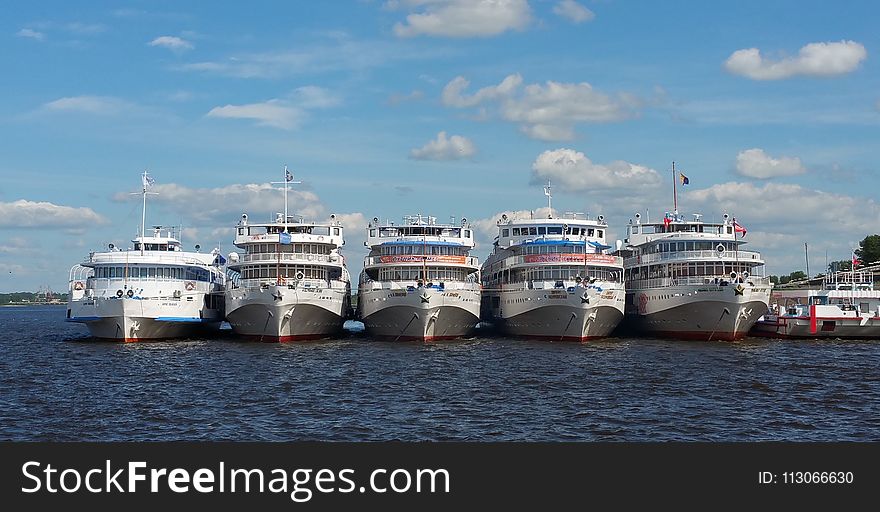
pixel 288 179
pixel 146 182
pixel 549 195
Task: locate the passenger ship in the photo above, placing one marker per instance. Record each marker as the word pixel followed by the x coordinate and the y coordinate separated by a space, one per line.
pixel 153 290
pixel 291 282
pixel 553 278
pixel 419 281
pixel 690 279
pixel 847 306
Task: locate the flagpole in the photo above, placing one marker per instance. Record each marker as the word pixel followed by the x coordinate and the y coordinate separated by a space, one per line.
pixel 674 191
pixel 285 198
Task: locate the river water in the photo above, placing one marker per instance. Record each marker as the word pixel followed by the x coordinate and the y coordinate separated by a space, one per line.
pixel 58 384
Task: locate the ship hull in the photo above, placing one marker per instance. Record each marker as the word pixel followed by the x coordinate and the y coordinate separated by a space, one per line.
pixel 830 328
pixel 568 314
pixel 422 314
pixel 695 312
pixel 292 315
pixel 129 320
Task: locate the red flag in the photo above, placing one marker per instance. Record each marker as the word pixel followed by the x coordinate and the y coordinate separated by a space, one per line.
pixel 737 228
pixel 667 220
pixel 856 261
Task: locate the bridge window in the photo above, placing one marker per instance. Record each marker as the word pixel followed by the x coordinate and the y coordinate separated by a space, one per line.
pixel 554 230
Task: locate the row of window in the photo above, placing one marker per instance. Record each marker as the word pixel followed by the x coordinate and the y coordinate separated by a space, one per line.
pixel 552 230
pixel 689 246
pixel 145 272
pixel 697 269
pixel 452 250
pixel 553 249
pixel 681 228
pixel 308 230
pixel 157 247
pixel 552 273
pixel 289 272
pixel 416 273
pixel 288 248
pixel 420 231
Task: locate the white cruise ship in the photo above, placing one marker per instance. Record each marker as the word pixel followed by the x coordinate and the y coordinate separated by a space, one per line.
pixel 846 306
pixel 419 281
pixel 553 278
pixel 690 279
pixel 152 290
pixel 290 283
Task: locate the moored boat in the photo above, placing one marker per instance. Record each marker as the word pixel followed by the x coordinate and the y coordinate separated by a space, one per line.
pixel 553 278
pixel 152 290
pixel 419 281
pixel 291 282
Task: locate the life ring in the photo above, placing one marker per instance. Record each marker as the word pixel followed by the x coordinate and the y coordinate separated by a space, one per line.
pixel 119 293
pixel 720 248
pixel 78 285
pixel 300 275
pixel 732 276
pixel 190 286
pixel 130 293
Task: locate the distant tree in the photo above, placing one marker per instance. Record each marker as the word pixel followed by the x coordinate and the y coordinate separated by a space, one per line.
pixel 797 275
pixel 774 279
pixel 869 250
pixel 840 266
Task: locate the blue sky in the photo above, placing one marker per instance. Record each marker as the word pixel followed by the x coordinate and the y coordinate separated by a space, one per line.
pixel 449 108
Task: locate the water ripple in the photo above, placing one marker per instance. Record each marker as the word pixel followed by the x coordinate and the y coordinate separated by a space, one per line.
pixel 57 384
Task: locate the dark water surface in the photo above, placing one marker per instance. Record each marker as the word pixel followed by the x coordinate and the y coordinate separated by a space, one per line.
pixel 58 384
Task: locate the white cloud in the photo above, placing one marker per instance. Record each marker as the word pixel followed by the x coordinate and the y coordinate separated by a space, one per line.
pixel 223 205
pixel 573 11
pixel 572 171
pixel 755 163
pixel 466 18
pixel 31 34
pixel 269 113
pixel 547 111
pixel 285 113
pixel 553 109
pixel 100 105
pixel 455 147
pixel 27 214
pixel 172 43
pixel 452 93
pixel 814 59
